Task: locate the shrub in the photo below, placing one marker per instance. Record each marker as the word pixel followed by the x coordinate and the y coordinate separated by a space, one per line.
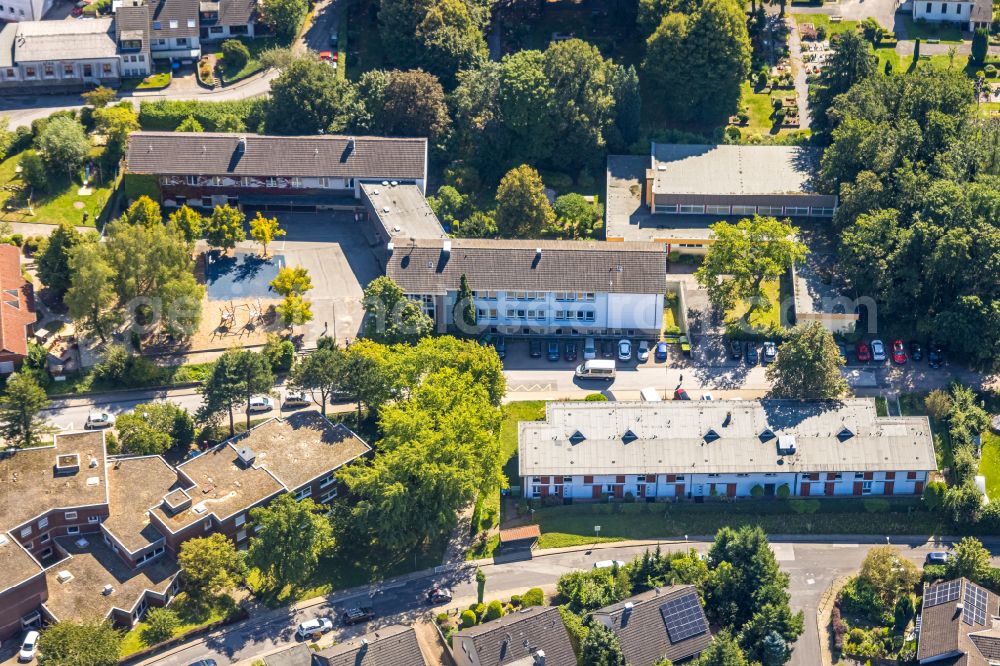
pixel 839 628
pixel 17 239
pixel 441 618
pixel 479 610
pixel 757 491
pixel 784 491
pixel 494 611
pixel 533 597
pixel 938 404
pixel 629 498
pixel 732 134
pixel 160 625
pixel 515 600
pixel 33 171
pixel 279 353
pixel 32 243
pixel 933 572
pixel 165 115
pixel 235 53
pixel 596 397
pixel 468 619
pixel 934 495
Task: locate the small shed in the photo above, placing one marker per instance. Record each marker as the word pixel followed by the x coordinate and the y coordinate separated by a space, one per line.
pixel 524 537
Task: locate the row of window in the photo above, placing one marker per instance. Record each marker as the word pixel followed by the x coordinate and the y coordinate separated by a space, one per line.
pixel 68 70
pixel 10 10
pixel 68 515
pixel 247 181
pixel 693 209
pixel 641 478
pixel 173 23
pixel 944 8
pixel 323 499
pixel 586 296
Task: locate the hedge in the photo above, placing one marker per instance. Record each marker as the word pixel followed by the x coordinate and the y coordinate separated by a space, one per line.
pixel 166 115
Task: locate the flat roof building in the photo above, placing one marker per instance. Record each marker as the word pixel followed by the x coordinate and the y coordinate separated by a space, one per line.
pixel 723 448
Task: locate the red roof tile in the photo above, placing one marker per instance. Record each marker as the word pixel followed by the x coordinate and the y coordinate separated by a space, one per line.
pixel 17 305
pixel 519 533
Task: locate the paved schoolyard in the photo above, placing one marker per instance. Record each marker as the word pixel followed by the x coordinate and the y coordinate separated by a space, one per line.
pixel 340 262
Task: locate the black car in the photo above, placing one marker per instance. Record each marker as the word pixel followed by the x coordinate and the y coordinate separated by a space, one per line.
pixel 607 349
pixel 751 354
pixel 916 351
pixel 358 615
pixel 569 351
pixel 438 595
pixel 735 349
pixel 553 353
pixel 205 662
pixel 500 344
pixel 333 40
pixel 535 348
pixel 935 355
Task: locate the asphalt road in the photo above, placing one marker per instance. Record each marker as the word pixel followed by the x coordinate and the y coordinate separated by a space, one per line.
pixel 812 568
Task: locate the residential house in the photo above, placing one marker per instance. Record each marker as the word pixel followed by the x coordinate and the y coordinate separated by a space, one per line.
pixel 959 623
pixel 17 310
pixel 537 287
pixel 174 31
pixel 225 19
pixel 132 30
pixel 43 56
pixel 394 645
pixel 723 448
pixel 24 10
pixel 305 173
pixel 661 623
pixel 533 636
pixel 968 14
pixel 85 535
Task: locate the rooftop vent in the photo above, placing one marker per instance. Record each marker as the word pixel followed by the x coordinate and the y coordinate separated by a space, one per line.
pixel 81 543
pixel 711 435
pixel 385 183
pixel 389 247
pixel 246 455
pixel 629 437
pixel 446 247
pixel 241 145
pixel 4 540
pixel 93 481
pixel 786 445
pixel 64 576
pixel 68 463
pixel 200 507
pixel 108 589
pixel 576 438
pixel 93 462
pixel 385 210
pixel 393 183
pixel 540 658
pixel 845 434
pixel 766 435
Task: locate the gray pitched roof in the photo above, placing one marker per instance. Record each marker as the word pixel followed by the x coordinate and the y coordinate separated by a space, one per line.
pixel 190 153
pixel 297 655
pixel 394 645
pixel 517 636
pixel 944 631
pixel 642 632
pixel 131 21
pixel 421 266
pixel 183 12
pixel 236 12
pixel 64 40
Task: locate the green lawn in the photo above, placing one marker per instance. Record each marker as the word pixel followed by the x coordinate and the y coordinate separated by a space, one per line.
pixel 191 617
pixel 158 80
pixel 989 463
pixel 256 47
pixel 824 20
pixel 881 406
pixel 62 204
pixel 364 43
pixel 947 33
pixel 760 319
pixel 574 525
pixel 526 410
pixel 84 382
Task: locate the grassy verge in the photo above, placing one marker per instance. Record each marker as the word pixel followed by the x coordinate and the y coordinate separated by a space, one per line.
pixel 758 318
pixel 881 406
pixel 574 525
pixel 190 615
pixel 256 47
pixel 155 81
pixel 945 32
pixel 61 203
pixel 989 463
pixel 824 21
pixel 86 381
pixel 527 410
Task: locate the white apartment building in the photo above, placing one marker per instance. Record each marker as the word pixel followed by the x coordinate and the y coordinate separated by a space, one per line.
pixel 723 448
pixel 59 54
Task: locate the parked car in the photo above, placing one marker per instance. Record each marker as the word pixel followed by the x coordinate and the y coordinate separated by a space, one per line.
pixel 898 352
pixel 935 355
pixel 535 348
pixel 98 420
pixel 681 394
pixel 501 346
pixel 643 352
pixel 28 646
pixel 260 403
pixel 205 662
pixel 333 39
pixel 553 351
pixel 295 399
pixel 589 349
pixel 863 353
pixel 358 615
pixel 770 352
pixel 438 595
pixel 317 625
pixel 607 349
pixel 624 350
pixel 878 351
pixel 916 351
pixel 661 351
pixel 569 351
pixel 937 557
pixel 751 354
pixel 735 350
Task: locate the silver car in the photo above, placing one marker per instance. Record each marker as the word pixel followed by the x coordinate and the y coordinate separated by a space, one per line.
pixel 624 350
pixel 878 351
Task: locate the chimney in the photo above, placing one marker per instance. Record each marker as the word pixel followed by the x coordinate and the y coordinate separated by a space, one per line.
pixel 540 658
pixel 350 145
pixel 538 253
pixel 246 455
pixel 389 247
pixel 108 589
pixel 364 645
pixel 446 248
pixel 241 145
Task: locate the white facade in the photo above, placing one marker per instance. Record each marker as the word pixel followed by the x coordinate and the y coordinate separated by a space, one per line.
pixel 687 486
pixel 64 72
pixel 947 10
pixel 24 10
pixel 574 313
pixel 214 33
pixel 176 48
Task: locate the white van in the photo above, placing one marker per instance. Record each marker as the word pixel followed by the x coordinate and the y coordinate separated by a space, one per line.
pixel 650 394
pixel 596 369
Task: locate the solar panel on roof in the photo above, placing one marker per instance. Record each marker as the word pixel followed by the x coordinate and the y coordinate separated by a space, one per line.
pixel 942 593
pixel 683 617
pixel 974 609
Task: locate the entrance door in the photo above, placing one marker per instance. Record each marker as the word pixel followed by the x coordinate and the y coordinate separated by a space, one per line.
pixel 731 490
pixel 805 489
pixel 595 492
pixel 888 488
pixel 828 489
pixel 768 490
pixel 88 70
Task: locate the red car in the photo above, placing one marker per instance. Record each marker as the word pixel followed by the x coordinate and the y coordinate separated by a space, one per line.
pixel 863 352
pixel 898 352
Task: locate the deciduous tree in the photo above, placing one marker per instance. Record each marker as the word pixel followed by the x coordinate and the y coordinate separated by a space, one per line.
pixel 236 376
pixel 99 97
pixel 224 229
pixel 187 222
pixel 291 280
pixel 211 567
pixel 808 367
pixel 308 98
pixel 53 261
pixel 970 560
pixel 160 625
pixel 405 103
pixel 601 648
pixel 523 211
pixel 91 291
pixel 80 644
pixel 189 124
pixel 144 211
pixel 63 145
pixel 154 428
pixel 290 538
pixel 744 256
pixel 723 651
pixel 116 123
pixel 264 230
pixel 320 372
pixel 284 16
pixel 294 310
pixel 390 317
pixel 888 573
pixel 20 405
